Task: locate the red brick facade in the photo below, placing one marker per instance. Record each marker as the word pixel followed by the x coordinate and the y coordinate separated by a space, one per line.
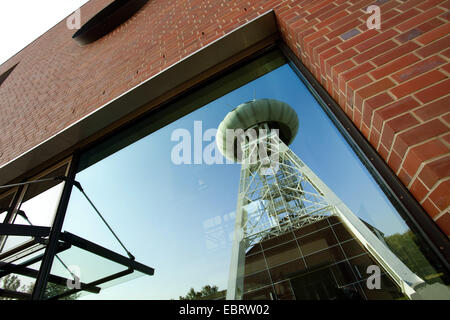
pixel 393 83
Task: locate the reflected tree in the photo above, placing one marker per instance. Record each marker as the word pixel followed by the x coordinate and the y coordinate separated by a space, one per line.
pixel 406 247
pixel 9 282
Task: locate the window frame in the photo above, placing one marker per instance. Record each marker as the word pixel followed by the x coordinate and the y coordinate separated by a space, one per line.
pixel 20 192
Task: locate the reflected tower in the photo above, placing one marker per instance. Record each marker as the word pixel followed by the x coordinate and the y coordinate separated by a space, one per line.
pixel 279 194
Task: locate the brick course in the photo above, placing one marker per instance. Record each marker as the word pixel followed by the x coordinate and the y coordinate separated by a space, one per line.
pixel 393 83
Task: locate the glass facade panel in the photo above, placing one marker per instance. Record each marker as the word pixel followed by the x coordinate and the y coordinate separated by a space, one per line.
pixel 283 291
pixel 41 200
pixel 261 294
pixel 76 262
pixel 341 232
pixel 352 248
pixel 277 241
pixel 256 280
pixel 312 228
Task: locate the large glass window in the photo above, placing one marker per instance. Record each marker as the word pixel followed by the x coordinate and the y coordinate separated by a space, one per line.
pixel 36 206
pixel 38 203
pixel 171 197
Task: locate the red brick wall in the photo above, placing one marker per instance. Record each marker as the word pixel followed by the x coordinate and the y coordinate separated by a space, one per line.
pixel 393 83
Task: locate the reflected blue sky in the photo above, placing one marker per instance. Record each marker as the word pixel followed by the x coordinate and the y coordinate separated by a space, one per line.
pixel 178 219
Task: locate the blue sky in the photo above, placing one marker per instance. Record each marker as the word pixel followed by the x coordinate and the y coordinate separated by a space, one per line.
pixel 178 219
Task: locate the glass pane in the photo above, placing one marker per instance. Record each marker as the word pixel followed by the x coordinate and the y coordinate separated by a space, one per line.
pixel 17 284
pixel 170 195
pixel 37 208
pixel 41 199
pixel 21 280
pixel 281 254
pixel 15 241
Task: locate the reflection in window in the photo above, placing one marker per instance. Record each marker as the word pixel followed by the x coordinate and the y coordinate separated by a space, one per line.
pixel 180 218
pixel 37 207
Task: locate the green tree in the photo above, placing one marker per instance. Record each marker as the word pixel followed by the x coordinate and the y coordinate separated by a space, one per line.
pixel 205 292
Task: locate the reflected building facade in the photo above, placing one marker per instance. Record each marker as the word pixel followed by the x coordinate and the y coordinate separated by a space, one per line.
pixel 321 261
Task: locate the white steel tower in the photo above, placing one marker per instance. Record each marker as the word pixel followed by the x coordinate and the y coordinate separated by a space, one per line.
pixel 279 193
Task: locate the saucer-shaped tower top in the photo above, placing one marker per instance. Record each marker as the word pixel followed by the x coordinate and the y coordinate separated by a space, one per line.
pixel 276 114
